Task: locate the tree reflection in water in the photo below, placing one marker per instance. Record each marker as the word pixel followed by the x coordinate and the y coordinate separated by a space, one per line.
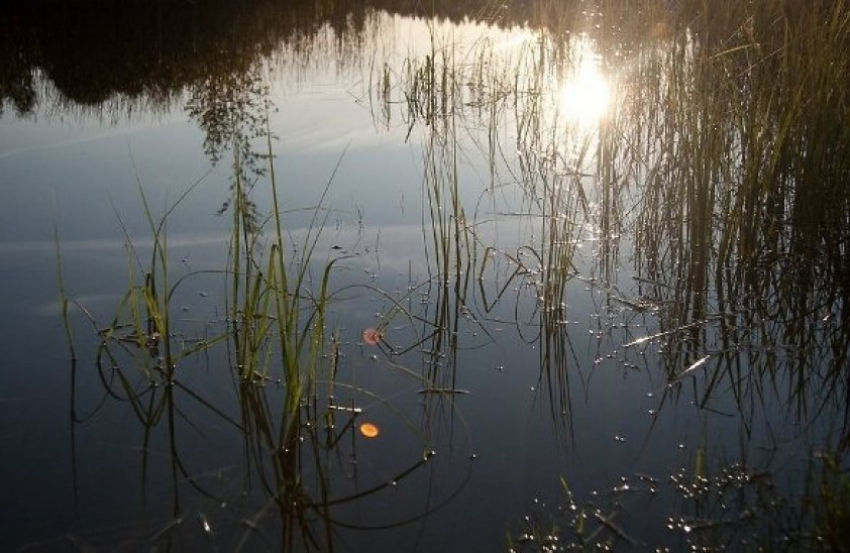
pixel 716 176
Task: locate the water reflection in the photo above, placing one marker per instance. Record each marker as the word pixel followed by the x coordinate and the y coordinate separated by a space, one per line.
pixel 712 223
pixel 297 474
pixel 585 94
pixel 143 54
pixel 656 262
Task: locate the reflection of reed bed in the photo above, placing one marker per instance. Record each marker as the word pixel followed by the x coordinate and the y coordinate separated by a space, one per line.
pixel 302 420
pixel 431 92
pixel 725 162
pixel 706 505
pixel 468 98
pixel 725 154
pixel 748 169
pixel 724 165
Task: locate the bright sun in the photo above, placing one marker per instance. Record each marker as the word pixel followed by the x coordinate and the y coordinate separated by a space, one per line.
pixel 585 96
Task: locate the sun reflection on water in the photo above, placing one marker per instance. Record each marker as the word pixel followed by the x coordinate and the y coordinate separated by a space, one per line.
pixel 584 97
pixel 579 93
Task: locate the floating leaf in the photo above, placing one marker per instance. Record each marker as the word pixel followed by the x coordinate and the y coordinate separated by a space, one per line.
pixel 371 336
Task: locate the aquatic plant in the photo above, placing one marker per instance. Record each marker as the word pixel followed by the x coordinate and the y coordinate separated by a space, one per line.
pixel 720 175
pixel 718 178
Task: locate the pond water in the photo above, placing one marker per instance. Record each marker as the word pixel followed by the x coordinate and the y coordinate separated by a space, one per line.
pixel 541 276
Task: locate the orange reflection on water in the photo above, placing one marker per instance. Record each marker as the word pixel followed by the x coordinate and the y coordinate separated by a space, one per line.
pixel 369 430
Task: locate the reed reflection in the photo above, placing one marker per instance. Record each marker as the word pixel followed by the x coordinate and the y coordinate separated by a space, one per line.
pixel 312 462
pixel 724 188
pixel 718 181
pixel 732 231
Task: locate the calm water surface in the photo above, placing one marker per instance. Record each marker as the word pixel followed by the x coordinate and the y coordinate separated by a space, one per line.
pixel 570 352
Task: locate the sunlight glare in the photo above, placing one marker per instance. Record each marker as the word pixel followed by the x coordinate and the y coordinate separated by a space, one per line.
pixel 585 96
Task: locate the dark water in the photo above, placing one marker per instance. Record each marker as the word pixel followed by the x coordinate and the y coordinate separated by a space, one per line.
pixel 597 330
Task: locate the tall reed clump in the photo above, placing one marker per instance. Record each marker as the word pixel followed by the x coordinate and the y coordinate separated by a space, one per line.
pixel 435 96
pixel 742 117
pixel 141 350
pixel 278 317
pixel 480 100
pixel 276 332
pixel 140 336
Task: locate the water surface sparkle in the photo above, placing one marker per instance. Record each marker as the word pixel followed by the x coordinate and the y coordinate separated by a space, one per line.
pixel 523 283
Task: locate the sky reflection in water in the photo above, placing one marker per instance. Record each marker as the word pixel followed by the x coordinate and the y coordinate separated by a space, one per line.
pixel 505 293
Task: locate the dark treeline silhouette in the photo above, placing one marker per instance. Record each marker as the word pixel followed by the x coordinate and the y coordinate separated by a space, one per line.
pixel 92 51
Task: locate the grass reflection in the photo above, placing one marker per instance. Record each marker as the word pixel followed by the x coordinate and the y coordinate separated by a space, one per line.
pixel 746 260
pixel 300 419
pixel 719 174
pixel 730 180
pixel 713 168
pixel 708 504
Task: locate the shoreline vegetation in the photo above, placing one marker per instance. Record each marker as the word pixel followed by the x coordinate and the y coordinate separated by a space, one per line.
pixel 719 178
pixel 97 52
